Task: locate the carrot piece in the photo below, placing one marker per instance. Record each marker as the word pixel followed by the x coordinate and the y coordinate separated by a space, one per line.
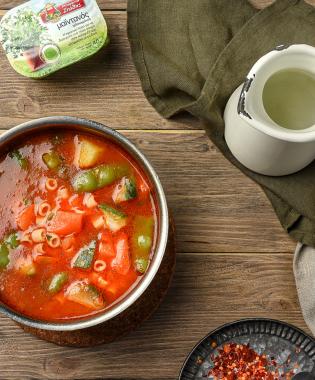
pixel 121 264
pixel 45 260
pixel 26 218
pixel 68 243
pixel 106 246
pixel 65 223
pixel 106 236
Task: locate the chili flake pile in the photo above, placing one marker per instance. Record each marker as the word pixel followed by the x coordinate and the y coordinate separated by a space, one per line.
pixel 240 362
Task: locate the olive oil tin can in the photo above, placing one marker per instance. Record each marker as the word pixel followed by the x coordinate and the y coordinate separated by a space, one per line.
pixel 43 36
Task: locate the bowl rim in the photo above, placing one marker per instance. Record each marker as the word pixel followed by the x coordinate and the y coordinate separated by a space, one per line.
pixel 135 293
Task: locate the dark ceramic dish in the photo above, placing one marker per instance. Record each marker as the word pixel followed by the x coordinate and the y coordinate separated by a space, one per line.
pixel 274 338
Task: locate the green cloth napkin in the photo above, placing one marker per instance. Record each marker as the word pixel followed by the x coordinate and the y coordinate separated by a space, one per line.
pixel 192 54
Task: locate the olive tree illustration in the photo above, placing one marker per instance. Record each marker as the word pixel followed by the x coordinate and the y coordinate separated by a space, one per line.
pixel 22 31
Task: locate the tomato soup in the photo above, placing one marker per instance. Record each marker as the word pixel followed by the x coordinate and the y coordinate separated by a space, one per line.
pixel 78 225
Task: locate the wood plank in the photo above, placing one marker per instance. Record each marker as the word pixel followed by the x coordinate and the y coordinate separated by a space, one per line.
pixel 108 87
pixel 206 292
pixel 214 205
pixel 122 4
pixel 103 4
pixel 118 4
pixel 107 90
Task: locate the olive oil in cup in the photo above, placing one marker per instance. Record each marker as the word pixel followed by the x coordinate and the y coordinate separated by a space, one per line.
pixel 289 99
pixel 269 119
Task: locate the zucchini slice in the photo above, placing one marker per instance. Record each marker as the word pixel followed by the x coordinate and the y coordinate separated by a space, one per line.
pixel 125 190
pixel 85 294
pixel 85 256
pixel 114 219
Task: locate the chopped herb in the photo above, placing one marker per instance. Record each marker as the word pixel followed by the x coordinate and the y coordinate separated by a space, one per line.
pixel 12 240
pixel 63 172
pixel 22 161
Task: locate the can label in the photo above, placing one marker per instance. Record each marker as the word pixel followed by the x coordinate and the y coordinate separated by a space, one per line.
pixel 42 36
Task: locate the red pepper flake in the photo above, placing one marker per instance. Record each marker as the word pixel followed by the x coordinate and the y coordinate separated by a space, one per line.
pixel 240 362
pixel 199 360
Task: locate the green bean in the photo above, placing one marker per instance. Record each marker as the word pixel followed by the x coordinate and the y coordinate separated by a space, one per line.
pixel 107 174
pixel 85 182
pixel 142 242
pixel 57 282
pixel 99 177
pixel 4 255
pixel 141 265
pixel 52 160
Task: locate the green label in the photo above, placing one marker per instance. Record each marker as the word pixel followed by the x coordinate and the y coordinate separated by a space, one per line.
pixel 41 37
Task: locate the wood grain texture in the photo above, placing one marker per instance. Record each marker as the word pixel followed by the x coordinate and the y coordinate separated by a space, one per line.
pixel 214 205
pixel 231 264
pixel 105 88
pixel 122 4
pixel 207 291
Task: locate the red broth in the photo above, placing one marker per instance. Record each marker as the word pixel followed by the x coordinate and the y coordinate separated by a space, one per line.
pixel 78 225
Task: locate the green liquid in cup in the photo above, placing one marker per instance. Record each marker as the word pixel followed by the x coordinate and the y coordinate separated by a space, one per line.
pixel 289 99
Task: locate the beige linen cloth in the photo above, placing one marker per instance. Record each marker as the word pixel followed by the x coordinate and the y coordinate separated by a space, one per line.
pixel 304 271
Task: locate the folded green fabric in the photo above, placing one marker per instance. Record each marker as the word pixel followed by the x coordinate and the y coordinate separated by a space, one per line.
pixel 192 54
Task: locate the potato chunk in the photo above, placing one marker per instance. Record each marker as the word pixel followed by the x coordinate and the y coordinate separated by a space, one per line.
pixel 90 154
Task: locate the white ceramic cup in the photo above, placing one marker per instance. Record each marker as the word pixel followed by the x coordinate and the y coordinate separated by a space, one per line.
pixel 253 137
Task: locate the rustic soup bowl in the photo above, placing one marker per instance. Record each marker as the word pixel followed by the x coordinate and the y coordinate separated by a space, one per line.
pixel 21 133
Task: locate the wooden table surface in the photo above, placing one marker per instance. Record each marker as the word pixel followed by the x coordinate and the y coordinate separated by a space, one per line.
pixel 233 261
